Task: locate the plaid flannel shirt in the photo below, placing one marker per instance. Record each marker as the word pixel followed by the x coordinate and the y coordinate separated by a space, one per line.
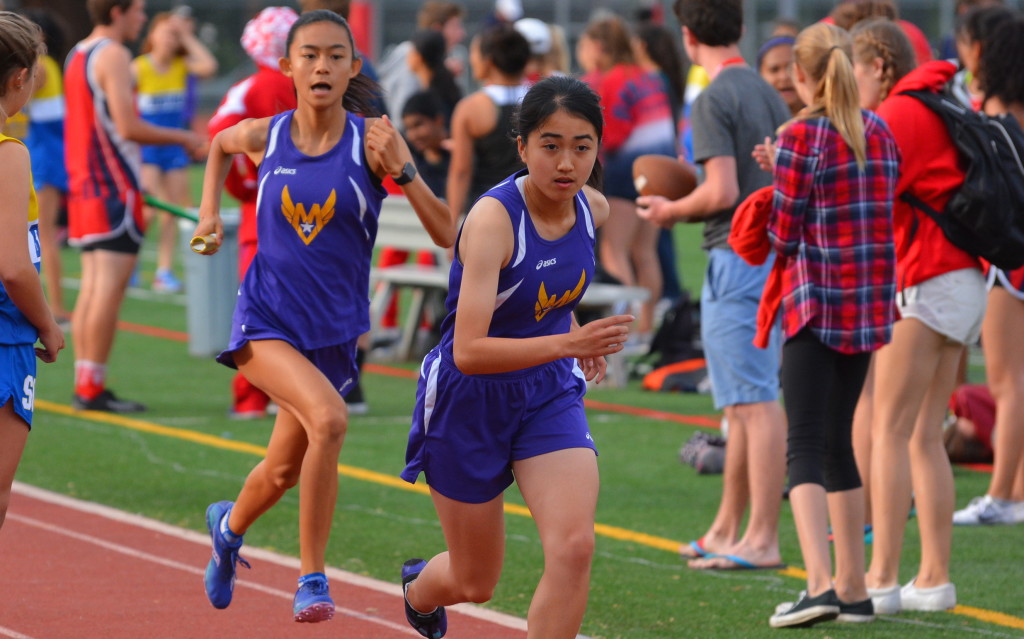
pixel 831 222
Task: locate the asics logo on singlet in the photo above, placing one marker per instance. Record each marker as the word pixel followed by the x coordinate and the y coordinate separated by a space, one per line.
pixel 284 170
pixel 542 263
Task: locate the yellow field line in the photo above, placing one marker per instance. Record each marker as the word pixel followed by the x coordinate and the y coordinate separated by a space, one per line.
pixel 363 474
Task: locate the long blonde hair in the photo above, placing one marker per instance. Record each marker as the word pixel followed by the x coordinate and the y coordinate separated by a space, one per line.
pixel 823 52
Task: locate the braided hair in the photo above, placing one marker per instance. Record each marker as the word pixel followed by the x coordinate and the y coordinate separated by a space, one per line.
pixel 884 39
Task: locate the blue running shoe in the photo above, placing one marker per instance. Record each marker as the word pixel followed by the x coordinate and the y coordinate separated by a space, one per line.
pixel 165 282
pixel 313 601
pixel 432 625
pixel 220 572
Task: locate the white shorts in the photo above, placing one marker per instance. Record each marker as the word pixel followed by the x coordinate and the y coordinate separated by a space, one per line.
pixel 951 304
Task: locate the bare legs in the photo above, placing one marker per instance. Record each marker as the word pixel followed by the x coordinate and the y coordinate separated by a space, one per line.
pixel 94 322
pixel 304 447
pixel 49 205
pixel 914 376
pixel 755 469
pixel 169 186
pixel 13 435
pixel 1004 368
pixel 560 489
pixel 628 252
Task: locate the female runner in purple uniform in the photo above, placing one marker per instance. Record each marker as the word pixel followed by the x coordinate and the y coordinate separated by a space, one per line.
pixel 304 300
pixel 502 394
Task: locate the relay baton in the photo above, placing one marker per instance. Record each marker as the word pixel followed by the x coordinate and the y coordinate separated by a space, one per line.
pixel 202 244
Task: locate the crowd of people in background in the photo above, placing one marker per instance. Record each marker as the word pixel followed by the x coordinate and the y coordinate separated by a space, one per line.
pixel 842 301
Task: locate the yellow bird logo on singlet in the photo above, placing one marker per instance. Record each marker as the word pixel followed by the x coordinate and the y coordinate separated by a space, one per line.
pixel 307 224
pixel 547 302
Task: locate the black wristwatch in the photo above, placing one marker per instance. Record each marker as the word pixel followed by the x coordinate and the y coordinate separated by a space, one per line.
pixel 408 174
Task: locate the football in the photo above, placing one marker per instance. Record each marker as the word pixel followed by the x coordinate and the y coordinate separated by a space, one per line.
pixel 663 175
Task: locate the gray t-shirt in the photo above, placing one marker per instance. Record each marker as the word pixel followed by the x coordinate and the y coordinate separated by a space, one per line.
pixel 731 116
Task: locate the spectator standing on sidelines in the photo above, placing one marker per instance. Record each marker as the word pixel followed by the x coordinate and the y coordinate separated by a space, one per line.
pixel 397 80
pixel 831 227
pixel 25 317
pixel 639 121
pixel 941 303
pixel 1000 74
pixel 775 64
pixel 482 123
pixel 102 134
pixel 172 59
pixel 45 142
pixel 729 118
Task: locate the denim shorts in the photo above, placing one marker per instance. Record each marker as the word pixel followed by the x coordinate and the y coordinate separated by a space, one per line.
pixel 740 372
pixel 952 304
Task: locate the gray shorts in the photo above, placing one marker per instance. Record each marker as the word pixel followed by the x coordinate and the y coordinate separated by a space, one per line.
pixel 952 304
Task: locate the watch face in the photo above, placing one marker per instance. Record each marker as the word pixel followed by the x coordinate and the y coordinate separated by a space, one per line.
pixel 408 173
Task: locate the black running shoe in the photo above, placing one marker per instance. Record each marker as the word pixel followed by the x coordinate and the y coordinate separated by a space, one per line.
pixel 856 612
pixel 432 625
pixel 806 611
pixel 108 402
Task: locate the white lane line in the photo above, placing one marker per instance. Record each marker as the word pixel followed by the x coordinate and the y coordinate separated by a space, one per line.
pixel 7 632
pixel 335 574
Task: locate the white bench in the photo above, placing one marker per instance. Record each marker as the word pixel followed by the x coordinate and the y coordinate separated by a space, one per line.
pixel 399 227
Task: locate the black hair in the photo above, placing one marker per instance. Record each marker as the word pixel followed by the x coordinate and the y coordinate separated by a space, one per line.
pixel 54 35
pixel 431 46
pixel 979 23
pixel 662 48
pixel 1001 68
pixel 363 94
pixel 715 23
pixel 506 48
pixel 425 103
pixel 561 93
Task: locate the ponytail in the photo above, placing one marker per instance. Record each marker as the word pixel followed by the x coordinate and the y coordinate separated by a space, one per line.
pixel 823 53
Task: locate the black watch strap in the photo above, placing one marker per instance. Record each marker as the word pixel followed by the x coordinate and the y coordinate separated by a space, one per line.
pixel 408 174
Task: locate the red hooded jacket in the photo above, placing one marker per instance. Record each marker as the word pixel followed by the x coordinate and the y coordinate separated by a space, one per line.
pixel 931 171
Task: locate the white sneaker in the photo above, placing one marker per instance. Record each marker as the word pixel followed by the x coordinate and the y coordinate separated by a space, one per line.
pixel 937 598
pixel 988 510
pixel 886 601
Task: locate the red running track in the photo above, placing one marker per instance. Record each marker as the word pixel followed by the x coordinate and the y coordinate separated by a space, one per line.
pixel 80 570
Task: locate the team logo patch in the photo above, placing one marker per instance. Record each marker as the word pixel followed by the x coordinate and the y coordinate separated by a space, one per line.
pixel 546 303
pixel 307 224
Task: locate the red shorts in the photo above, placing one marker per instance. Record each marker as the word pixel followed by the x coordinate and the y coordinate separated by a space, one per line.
pixel 93 220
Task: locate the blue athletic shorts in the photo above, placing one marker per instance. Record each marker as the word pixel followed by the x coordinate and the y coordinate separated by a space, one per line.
pixel 740 372
pixel 18 379
pixel 468 429
pixel 167 157
pixel 46 170
pixel 337 363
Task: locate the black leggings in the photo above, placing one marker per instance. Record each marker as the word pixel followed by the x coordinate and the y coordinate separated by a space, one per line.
pixel 821 387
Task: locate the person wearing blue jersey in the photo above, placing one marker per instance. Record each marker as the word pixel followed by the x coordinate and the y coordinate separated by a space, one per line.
pixel 24 315
pixel 501 397
pixel 171 61
pixel 45 141
pixel 304 300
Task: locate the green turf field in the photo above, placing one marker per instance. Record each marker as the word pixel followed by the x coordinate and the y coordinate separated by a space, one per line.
pixel 184 453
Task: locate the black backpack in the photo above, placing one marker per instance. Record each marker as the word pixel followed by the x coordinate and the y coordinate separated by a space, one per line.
pixel 985 217
pixel 678 336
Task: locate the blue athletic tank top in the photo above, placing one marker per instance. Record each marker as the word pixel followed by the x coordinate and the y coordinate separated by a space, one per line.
pixel 316 224
pixel 14 326
pixel 544 281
